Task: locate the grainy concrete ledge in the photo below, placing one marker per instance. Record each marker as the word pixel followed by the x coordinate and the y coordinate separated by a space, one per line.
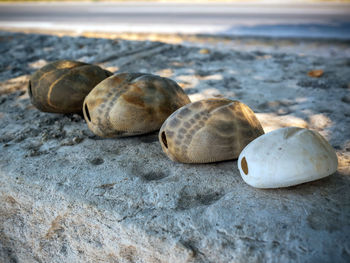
pixel 68 196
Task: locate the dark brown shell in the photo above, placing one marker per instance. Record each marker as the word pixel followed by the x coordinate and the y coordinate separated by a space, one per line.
pixel 132 103
pixel 62 86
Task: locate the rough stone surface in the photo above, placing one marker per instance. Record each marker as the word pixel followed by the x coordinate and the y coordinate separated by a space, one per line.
pixel 69 196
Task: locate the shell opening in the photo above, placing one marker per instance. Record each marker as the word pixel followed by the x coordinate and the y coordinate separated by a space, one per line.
pixel 244 165
pixel 30 89
pixel 164 140
pixel 87 114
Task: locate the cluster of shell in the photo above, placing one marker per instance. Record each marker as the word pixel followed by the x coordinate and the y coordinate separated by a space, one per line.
pixel 205 131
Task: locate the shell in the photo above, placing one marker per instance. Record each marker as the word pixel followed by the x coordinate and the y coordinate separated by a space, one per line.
pixel 209 130
pixel 129 104
pixel 62 86
pixel 286 157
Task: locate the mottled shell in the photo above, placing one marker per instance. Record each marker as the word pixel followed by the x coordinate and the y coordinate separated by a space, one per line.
pixel 210 130
pixel 62 86
pixel 129 104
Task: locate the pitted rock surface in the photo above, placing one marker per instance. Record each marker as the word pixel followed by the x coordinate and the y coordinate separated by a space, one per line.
pixel 67 195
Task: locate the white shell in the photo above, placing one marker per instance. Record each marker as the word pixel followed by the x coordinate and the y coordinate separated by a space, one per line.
pixel 286 157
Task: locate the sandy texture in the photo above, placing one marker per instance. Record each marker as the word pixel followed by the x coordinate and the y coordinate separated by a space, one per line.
pixel 69 196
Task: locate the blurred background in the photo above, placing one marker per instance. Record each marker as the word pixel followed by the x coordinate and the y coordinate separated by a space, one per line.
pixel 155 19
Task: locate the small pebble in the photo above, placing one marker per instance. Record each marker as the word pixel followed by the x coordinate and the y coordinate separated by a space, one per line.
pixel 204 51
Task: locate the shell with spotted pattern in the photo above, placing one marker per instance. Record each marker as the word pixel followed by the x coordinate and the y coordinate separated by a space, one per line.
pixel 62 86
pixel 209 130
pixel 129 104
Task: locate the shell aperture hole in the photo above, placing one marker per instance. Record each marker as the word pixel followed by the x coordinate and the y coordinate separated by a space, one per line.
pixel 30 89
pixel 244 165
pixel 87 112
pixel 164 140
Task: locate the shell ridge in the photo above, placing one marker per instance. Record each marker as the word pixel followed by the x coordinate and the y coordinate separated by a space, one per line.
pixel 133 77
pixel 45 75
pixel 292 132
pixel 113 100
pixel 201 122
pixel 50 90
pixel 213 111
pixel 212 107
pixel 103 127
pixel 252 119
pixel 34 91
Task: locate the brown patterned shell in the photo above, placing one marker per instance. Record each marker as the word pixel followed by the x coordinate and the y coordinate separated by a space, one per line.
pixel 209 130
pixel 129 104
pixel 62 86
